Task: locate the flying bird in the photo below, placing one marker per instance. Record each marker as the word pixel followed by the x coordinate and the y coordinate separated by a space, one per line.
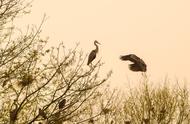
pixel 93 53
pixel 62 104
pixel 138 64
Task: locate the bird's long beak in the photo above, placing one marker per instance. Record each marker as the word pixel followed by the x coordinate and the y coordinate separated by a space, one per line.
pixel 98 43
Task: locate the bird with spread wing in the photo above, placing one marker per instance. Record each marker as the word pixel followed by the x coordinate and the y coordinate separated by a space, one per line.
pixel 137 65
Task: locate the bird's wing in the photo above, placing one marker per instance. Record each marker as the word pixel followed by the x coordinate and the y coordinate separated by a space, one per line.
pixel 62 103
pixel 91 57
pixel 143 66
pixel 130 57
pixel 138 67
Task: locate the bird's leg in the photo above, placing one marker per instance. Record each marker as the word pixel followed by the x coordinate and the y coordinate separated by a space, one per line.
pixel 91 66
pixel 144 74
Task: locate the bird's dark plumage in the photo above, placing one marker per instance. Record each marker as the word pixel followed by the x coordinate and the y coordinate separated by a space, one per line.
pixel 13 114
pixel 42 113
pixel 93 53
pixel 138 64
pixel 91 57
pixel 62 103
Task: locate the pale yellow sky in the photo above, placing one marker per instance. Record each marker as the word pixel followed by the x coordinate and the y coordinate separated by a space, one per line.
pixel 156 30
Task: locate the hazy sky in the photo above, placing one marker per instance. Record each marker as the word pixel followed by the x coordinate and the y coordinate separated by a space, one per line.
pixel 156 30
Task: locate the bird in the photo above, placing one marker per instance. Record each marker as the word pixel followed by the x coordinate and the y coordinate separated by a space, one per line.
pixel 137 65
pixel 42 113
pixel 93 53
pixel 127 122
pixel 14 112
pixel 62 103
pixel 13 115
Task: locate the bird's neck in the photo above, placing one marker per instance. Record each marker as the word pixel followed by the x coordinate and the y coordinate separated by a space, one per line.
pixel 96 47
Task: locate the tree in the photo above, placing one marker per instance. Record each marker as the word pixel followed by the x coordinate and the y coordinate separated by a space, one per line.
pixel 39 84
pixel 159 105
pixel 105 108
pixel 144 104
pixel 55 86
pixel 10 9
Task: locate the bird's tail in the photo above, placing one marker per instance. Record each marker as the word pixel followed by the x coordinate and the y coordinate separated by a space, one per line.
pixel 88 63
pixel 125 58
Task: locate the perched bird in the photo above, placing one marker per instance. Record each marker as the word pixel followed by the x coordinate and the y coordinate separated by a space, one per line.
pixel 91 121
pixel 127 122
pixel 13 115
pixel 93 53
pixel 14 112
pixel 138 64
pixel 62 103
pixel 42 113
